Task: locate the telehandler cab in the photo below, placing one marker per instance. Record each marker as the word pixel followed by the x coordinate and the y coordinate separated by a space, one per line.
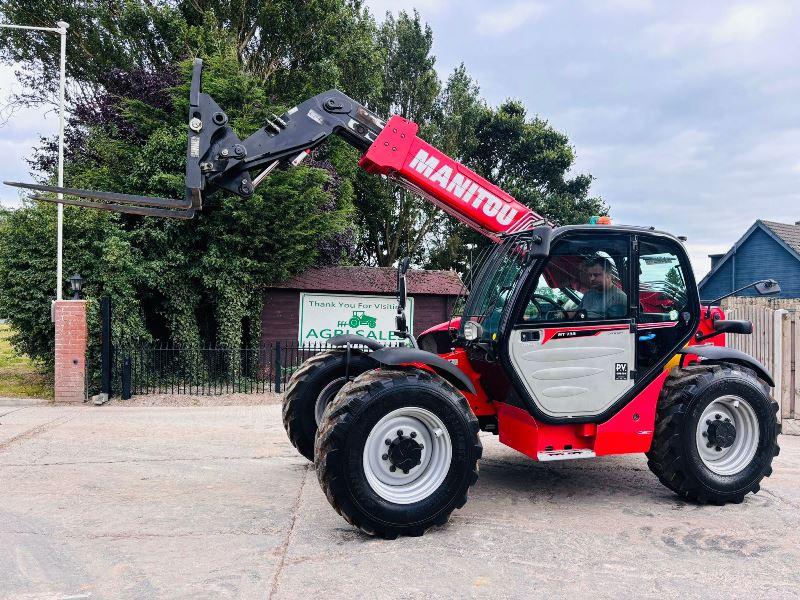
pixel 575 341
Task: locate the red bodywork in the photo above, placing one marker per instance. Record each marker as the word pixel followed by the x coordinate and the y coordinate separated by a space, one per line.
pixel 415 164
pixel 398 153
pixel 630 430
pixel 454 323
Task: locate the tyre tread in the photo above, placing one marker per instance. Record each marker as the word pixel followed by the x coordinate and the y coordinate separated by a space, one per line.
pixel 347 404
pixel 667 458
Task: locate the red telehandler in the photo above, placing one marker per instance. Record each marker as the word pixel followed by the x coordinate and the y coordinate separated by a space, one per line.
pixel 575 341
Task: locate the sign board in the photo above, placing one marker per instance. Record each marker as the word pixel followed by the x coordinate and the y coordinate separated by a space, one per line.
pixel 323 316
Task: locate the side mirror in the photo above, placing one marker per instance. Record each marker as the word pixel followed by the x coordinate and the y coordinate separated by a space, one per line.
pixel 401 321
pixel 402 292
pixel 765 287
pixel 540 242
pixel 768 287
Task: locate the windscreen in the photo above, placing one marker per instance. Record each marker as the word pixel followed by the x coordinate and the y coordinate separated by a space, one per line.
pixel 494 283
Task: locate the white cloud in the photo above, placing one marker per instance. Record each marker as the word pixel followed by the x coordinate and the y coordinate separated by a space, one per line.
pixel 668 38
pixel 709 35
pixel 744 23
pixel 779 149
pixel 505 19
pixel 621 5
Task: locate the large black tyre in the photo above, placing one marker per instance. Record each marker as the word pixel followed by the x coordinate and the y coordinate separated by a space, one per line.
pixel 683 436
pixel 324 373
pixel 342 462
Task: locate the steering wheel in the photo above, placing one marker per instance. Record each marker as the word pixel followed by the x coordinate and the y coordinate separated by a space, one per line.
pixel 551 302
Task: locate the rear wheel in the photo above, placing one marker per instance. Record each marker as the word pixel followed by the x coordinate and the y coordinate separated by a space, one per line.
pixel 311 387
pixel 716 433
pixel 397 452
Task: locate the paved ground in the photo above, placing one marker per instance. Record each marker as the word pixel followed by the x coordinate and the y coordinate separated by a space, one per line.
pixel 213 502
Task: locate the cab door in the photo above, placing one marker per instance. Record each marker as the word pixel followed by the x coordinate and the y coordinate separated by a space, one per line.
pixel 573 342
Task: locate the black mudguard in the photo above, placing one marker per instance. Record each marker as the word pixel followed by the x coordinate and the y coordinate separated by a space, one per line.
pixel 401 356
pixel 725 354
pixel 355 340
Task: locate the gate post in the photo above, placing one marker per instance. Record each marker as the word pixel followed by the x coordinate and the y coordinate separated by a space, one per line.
pixel 126 378
pixel 277 368
pixel 105 350
pixel 71 336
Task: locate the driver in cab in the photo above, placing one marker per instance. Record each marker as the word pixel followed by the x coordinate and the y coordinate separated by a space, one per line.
pixel 603 300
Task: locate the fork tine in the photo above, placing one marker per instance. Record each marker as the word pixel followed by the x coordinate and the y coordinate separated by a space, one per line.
pixel 145 211
pixel 131 199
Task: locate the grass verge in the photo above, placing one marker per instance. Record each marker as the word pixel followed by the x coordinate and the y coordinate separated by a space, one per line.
pixel 19 376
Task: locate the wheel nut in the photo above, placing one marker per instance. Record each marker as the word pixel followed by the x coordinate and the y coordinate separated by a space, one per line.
pixel 399 433
pixel 705 434
pixel 385 457
pixel 708 421
pixel 393 468
pixel 718 449
pixel 413 434
pixel 709 444
pixel 387 442
pixel 717 417
pixel 727 420
pixel 405 471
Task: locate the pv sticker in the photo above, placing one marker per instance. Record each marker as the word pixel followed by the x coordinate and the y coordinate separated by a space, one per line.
pixel 621 371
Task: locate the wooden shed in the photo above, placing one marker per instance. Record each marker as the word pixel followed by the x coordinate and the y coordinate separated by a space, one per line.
pixel 324 301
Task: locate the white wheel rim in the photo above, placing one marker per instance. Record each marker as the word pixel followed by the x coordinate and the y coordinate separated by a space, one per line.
pixel 325 396
pixel 421 480
pixel 736 457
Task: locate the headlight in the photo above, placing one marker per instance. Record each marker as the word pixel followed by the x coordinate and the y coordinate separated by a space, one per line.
pixel 472 331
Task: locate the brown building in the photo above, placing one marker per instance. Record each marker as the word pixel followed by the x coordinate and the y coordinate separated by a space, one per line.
pixel 328 300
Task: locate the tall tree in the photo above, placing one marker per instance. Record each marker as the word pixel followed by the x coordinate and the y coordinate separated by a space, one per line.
pixel 394 222
pixel 271 41
pixel 103 37
pixel 530 160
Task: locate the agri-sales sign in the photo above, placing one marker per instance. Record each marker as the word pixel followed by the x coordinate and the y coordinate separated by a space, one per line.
pixel 323 316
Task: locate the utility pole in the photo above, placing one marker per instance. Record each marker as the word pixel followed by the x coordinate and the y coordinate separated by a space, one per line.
pixel 61 29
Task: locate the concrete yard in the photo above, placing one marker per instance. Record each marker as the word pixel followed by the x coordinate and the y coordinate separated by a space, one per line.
pixel 213 502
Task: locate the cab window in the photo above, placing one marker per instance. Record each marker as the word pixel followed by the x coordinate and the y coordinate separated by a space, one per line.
pixel 662 287
pixel 664 312
pixel 584 280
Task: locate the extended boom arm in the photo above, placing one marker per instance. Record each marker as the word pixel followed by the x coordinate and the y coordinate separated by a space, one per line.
pixel 217 159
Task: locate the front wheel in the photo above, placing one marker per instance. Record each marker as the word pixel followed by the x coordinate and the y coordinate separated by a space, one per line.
pixel 397 452
pixel 310 389
pixel 716 433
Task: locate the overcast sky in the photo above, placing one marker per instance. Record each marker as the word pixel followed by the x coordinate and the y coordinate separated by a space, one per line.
pixel 686 113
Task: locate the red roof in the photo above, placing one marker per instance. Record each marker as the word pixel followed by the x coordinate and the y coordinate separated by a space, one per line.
pixel 374 280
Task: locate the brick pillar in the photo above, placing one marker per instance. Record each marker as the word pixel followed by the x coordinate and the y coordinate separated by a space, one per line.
pixel 71 334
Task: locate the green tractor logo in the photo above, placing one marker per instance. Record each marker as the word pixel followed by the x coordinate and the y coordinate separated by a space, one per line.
pixel 359 319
